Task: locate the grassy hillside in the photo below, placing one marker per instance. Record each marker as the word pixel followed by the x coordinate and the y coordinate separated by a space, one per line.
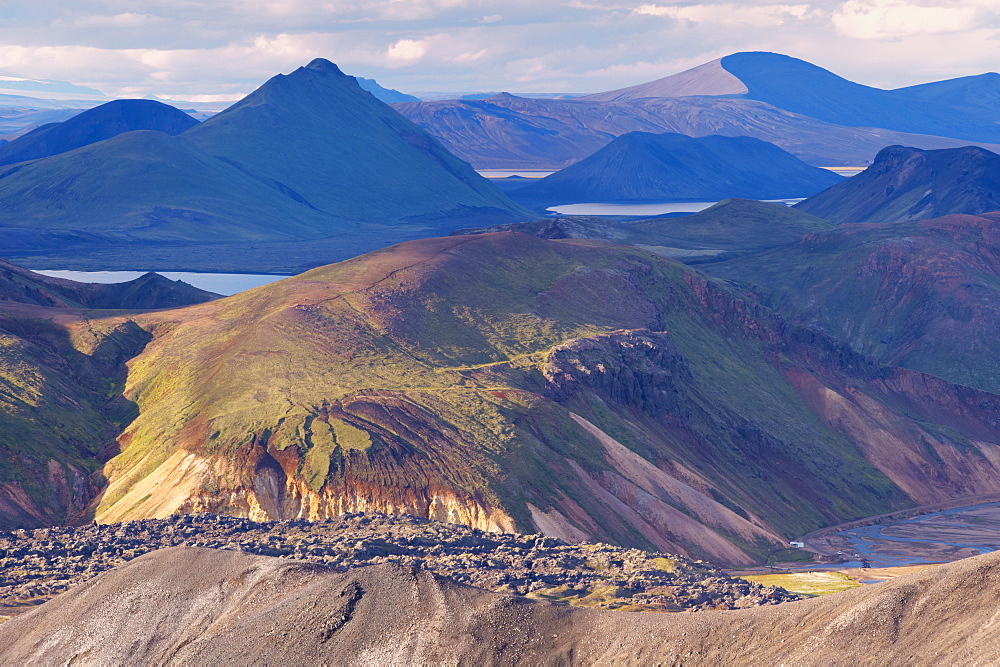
pixel 60 410
pixel 509 382
pixel 923 294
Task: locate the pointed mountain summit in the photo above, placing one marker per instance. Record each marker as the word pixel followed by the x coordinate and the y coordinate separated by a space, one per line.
pixel 640 166
pixel 97 124
pixel 315 136
pixel 308 156
pixel 912 184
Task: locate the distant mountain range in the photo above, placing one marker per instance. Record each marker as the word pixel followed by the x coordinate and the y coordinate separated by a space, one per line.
pixel 821 118
pixel 910 184
pixel 47 86
pixel 97 124
pixel 307 157
pixel 387 95
pixel 640 166
pixel 961 108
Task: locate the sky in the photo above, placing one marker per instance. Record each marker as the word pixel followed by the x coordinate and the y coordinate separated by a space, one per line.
pixel 223 49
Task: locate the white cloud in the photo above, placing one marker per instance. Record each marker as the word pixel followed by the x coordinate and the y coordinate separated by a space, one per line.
pixel 893 19
pixel 405 52
pixel 124 20
pixel 184 48
pixel 470 56
pixel 731 13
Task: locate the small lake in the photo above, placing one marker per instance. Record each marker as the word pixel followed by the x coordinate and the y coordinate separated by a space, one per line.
pixel 220 283
pixel 645 209
pixel 507 173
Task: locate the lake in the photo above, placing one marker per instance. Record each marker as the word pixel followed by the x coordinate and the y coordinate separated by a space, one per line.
pixel 645 209
pixel 220 283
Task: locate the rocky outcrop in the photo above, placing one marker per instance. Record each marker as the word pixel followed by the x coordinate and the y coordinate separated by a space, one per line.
pixel 635 367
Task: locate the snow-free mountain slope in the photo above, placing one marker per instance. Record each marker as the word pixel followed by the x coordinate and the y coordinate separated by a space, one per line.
pixel 910 184
pixel 152 290
pixel 508 382
pixel 308 156
pixel 922 294
pixel 708 79
pixel 801 87
pixel 977 95
pixel 88 127
pixel 316 137
pixel 640 166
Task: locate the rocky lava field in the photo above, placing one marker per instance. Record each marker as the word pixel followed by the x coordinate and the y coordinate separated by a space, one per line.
pixel 37 564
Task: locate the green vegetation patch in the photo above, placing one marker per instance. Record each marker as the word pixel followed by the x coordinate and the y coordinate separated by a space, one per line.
pixel 812 584
pixel 350 437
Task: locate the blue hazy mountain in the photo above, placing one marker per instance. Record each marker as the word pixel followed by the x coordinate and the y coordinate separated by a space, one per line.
pixel 912 184
pixel 307 156
pixel 387 95
pixel 814 114
pixel 97 124
pixel 801 87
pixel 640 166
pixel 977 95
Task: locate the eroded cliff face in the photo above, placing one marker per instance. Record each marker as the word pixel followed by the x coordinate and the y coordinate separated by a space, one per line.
pixel 263 491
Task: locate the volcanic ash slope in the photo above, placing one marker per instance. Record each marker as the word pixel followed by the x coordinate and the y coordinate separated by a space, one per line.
pixel 188 605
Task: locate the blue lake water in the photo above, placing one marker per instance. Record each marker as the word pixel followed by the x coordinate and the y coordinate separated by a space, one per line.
pixel 646 208
pixel 220 283
pixel 507 173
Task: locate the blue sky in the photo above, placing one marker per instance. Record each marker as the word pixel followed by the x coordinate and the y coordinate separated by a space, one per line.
pixel 184 49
